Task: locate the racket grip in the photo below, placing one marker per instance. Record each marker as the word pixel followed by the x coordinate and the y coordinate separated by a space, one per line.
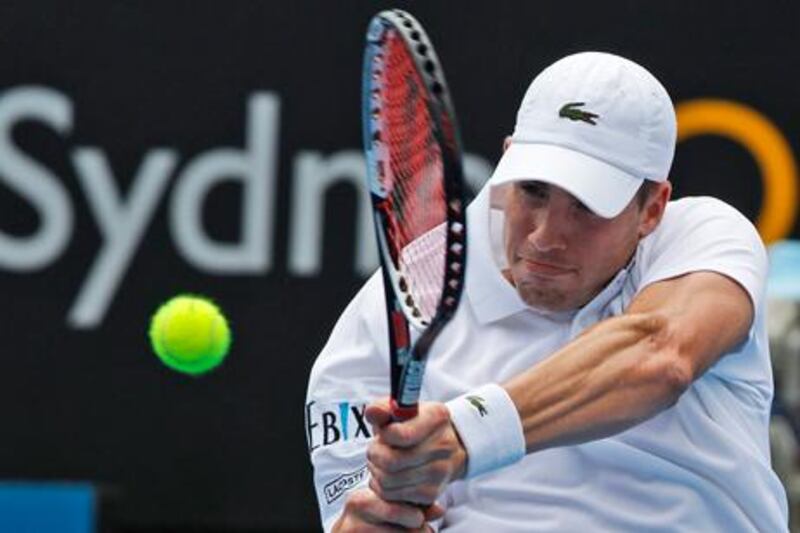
pixel 400 413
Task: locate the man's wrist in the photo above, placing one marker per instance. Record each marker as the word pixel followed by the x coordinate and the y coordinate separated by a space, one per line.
pixel 488 425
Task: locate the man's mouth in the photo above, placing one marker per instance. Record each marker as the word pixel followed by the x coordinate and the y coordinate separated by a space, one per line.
pixel 543 268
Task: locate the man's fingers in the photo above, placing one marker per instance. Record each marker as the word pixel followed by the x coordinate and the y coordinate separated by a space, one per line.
pixel 435 472
pixel 434 512
pixel 422 495
pixel 415 430
pixel 365 505
pixel 390 459
pixel 424 492
pixel 439 446
pixel 413 460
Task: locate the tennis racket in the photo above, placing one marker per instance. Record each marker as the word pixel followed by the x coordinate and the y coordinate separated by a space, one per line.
pixel 415 180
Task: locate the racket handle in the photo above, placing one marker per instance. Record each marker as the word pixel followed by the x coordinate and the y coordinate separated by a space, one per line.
pixel 400 413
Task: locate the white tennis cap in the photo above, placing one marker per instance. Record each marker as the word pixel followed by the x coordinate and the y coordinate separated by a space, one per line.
pixel 596 125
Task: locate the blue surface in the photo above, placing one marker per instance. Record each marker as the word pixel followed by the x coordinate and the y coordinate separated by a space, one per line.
pixel 47 508
pixel 784 271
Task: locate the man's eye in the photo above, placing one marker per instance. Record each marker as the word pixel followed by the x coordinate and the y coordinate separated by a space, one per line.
pixel 535 190
pixel 582 207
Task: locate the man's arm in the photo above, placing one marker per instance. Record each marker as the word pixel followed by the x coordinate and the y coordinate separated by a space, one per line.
pixel 629 368
pixel 618 373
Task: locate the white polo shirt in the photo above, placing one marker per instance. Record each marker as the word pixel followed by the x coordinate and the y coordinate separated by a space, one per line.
pixel 701 465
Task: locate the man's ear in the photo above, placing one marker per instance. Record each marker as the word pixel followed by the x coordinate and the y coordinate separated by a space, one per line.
pixel 506 142
pixel 654 208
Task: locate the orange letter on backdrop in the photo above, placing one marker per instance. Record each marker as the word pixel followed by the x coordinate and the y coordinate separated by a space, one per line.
pixel 766 144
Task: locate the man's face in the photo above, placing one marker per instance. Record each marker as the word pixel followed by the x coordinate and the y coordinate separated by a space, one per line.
pixel 561 254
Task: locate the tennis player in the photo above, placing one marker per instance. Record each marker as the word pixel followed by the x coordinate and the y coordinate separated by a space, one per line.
pixel 608 368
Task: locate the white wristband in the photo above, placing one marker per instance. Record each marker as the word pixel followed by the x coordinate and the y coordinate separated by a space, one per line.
pixel 487 421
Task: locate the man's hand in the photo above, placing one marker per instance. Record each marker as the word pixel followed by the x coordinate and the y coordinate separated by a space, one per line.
pixel 414 460
pixel 365 511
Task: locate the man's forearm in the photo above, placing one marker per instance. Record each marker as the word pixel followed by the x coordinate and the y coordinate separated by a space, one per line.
pixel 613 376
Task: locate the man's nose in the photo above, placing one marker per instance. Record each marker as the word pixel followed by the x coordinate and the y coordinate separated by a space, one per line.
pixel 549 233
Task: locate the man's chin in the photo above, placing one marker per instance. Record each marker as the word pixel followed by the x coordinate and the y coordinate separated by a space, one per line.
pixel 546 294
pixel 547 301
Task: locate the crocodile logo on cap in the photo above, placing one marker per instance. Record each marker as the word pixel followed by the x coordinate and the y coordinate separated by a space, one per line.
pixel 572 112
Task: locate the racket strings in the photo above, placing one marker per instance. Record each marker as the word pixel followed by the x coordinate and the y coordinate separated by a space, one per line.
pixel 416 205
pixel 422 264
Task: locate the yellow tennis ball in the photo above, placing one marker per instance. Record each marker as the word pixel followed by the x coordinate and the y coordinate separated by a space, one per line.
pixel 190 334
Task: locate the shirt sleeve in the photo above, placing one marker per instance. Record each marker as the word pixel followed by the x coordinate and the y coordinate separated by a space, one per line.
pixel 351 371
pixel 705 234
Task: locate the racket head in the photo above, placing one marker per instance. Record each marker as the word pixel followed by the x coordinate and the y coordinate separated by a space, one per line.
pixel 415 181
pixel 414 168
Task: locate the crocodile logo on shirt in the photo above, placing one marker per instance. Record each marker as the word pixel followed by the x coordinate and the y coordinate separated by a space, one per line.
pixel 572 112
pixel 477 402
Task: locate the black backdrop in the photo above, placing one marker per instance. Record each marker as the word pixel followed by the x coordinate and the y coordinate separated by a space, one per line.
pixel 90 90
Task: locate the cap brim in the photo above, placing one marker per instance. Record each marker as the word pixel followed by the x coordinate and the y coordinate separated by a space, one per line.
pixel 603 188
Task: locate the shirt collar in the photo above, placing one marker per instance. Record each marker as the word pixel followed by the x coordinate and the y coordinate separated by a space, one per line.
pixel 606 303
pixel 492 297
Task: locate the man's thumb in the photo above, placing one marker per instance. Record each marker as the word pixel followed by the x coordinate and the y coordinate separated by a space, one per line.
pixel 379 413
